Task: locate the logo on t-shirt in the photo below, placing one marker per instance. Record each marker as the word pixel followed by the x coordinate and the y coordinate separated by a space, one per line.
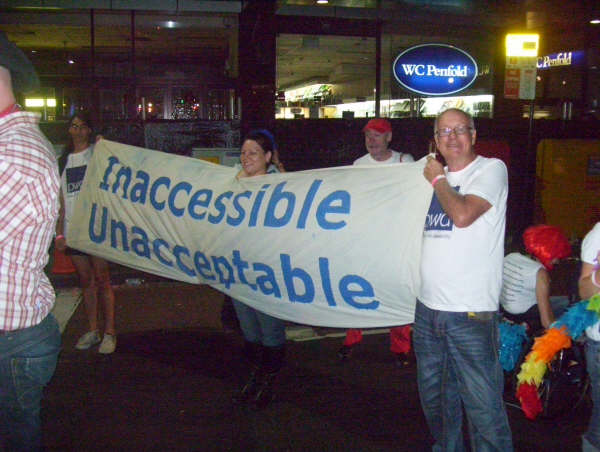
pixel 436 219
pixel 75 178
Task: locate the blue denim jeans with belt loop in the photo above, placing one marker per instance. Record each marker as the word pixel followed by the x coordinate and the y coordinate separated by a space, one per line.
pixel 591 438
pixel 258 327
pixel 27 362
pixel 457 361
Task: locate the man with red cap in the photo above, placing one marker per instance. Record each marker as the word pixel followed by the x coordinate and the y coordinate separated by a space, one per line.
pixel 29 185
pixel 378 135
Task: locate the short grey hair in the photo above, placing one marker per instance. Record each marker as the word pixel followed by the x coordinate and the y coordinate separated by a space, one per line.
pixel 457 110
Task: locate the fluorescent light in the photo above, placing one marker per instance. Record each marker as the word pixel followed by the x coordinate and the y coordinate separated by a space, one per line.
pixel 170 24
pixel 34 102
pixel 595 21
pixel 522 45
pixel 322 2
pixel 39 102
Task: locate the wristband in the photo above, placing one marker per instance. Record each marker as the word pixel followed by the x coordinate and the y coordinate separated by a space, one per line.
pixel 593 279
pixel 59 236
pixel 436 179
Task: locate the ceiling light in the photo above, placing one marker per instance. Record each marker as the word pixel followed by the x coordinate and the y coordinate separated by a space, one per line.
pixel 595 21
pixel 322 2
pixel 35 102
pixel 71 61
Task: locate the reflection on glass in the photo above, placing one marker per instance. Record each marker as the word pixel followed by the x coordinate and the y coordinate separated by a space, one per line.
pixel 186 104
pixel 479 106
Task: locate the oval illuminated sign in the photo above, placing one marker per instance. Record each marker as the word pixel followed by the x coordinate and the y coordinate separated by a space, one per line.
pixel 435 69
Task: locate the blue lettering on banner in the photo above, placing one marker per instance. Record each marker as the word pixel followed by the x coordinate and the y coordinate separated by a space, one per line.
pixel 273 207
pixel 435 69
pixel 279 195
pixel 299 284
pixel 158 243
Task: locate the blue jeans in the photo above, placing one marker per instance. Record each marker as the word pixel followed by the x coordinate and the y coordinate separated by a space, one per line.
pixel 27 362
pixel 591 438
pixel 258 327
pixel 457 362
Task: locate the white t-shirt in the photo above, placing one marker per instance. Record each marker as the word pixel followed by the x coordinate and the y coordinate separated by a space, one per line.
pixel 519 280
pixel 589 251
pixel 71 180
pixel 396 157
pixel 461 268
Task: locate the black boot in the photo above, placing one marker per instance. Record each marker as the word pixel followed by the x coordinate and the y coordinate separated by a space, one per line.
pixel 229 319
pixel 272 364
pixel 254 355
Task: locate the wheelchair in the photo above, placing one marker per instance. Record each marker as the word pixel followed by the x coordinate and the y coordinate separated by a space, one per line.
pixel 565 385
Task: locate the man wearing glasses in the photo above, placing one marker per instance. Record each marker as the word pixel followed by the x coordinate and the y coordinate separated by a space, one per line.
pixel 456 321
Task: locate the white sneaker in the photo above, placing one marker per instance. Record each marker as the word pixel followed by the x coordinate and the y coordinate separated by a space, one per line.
pixel 108 345
pixel 88 340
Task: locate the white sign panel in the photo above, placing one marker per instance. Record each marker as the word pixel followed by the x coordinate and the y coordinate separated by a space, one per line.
pixel 521 86
pixel 335 247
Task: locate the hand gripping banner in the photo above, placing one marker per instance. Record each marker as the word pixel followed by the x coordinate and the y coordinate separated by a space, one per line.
pixel 337 247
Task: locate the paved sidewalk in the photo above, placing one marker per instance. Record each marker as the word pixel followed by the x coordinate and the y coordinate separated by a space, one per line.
pixel 67 301
pixel 169 384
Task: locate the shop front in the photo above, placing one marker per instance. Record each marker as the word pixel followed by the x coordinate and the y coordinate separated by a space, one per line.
pixel 327 87
pixel 560 85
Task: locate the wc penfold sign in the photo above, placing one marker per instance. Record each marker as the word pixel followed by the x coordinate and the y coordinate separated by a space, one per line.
pixel 435 69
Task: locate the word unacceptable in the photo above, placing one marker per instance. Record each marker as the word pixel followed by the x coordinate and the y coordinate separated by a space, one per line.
pixel 298 284
pixel 269 206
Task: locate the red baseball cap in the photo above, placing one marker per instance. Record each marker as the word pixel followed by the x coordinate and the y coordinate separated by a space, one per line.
pixel 378 125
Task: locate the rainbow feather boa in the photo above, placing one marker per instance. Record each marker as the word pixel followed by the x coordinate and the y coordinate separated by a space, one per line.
pixel 560 334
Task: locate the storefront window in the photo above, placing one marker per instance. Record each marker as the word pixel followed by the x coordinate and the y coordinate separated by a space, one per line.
pixel 325 76
pixel 186 103
pixel 119 63
pixel 44 102
pixel 334 77
pixel 559 87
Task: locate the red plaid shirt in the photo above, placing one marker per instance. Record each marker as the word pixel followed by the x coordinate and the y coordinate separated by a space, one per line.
pixel 29 187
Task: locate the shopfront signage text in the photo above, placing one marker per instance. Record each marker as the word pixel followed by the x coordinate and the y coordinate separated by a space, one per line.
pixel 435 69
pixel 560 59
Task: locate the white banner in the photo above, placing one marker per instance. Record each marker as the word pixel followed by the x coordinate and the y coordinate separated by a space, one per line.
pixel 336 247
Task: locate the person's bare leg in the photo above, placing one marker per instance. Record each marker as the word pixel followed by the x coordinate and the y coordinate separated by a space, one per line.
pixel 88 287
pixel 106 293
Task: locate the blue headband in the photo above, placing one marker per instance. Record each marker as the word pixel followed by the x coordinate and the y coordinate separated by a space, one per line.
pixel 269 135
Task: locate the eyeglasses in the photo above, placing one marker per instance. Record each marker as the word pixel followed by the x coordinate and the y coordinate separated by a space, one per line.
pixel 458 130
pixel 78 126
